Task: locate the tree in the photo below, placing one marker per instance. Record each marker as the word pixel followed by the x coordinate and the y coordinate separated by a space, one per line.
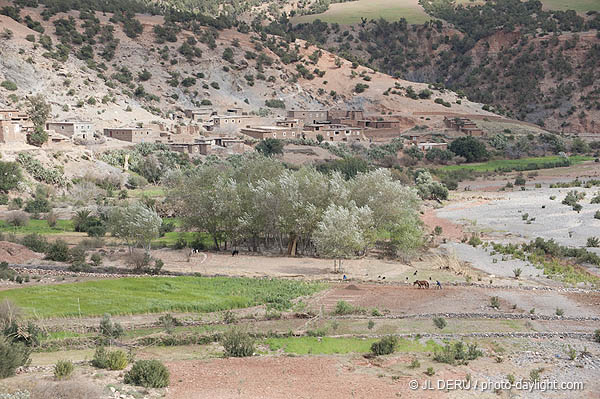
pixel 343 231
pixel 10 176
pixel 38 137
pixel 470 148
pixel 136 224
pixel 38 110
pixel 270 146
pixel 428 188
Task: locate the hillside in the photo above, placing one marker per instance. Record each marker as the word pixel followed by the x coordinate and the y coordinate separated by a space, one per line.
pixel 521 60
pixel 88 67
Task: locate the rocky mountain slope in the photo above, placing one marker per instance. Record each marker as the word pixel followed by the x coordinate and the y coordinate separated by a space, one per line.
pixel 91 65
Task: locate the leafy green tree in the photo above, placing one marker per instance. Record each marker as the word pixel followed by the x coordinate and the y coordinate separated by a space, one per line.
pixel 270 146
pixel 10 176
pixel 470 148
pixel 344 231
pixel 38 110
pixel 136 224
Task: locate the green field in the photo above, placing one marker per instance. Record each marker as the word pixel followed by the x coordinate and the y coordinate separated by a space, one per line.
pixel 329 346
pixel 392 10
pixel 351 12
pixel 581 6
pixel 156 294
pixel 37 226
pixel 491 166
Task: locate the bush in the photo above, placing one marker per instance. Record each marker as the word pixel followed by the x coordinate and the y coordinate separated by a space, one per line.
pixel 63 369
pixel 116 360
pixel 100 359
pixel 96 259
pixel 237 343
pixel 474 240
pixel 58 251
pixel 430 371
pixel 110 329
pixel 456 354
pixel 360 87
pixel 597 335
pixel 439 322
pixel 12 355
pixel 10 176
pixel 559 312
pixel 517 272
pixel 385 346
pixel 495 302
pixel 593 242
pixel 35 242
pixel 343 308
pixel 149 374
pixel 275 104
pixel 18 219
pixel 9 85
pixel 520 180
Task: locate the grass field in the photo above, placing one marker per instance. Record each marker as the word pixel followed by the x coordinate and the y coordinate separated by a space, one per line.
pixel 37 226
pixel 581 6
pixel 156 294
pixel 351 12
pixel 392 10
pixel 491 166
pixel 329 346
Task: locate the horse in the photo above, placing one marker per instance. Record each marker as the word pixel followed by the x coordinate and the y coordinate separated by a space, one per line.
pixel 235 252
pixel 421 283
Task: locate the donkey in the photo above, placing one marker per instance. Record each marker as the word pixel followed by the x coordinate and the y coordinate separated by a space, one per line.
pixel 421 283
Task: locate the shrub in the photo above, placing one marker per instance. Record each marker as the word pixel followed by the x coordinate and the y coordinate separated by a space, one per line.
pixel 342 308
pixel 63 369
pixel 275 103
pixel 9 85
pixel 110 329
pixel 495 302
pixel 360 87
pixel 456 353
pixel 10 176
pixel 370 324
pixel 597 335
pixel 148 373
pixel 534 374
pixel 51 219
pixel 520 180
pixel 385 346
pixel 116 360
pixel 430 371
pixel 414 364
pixel 12 355
pixel 559 312
pixel 237 343
pixel 597 215
pixel 96 259
pixel 139 260
pixel 169 322
pixel 35 242
pixel 474 240
pixel 593 242
pixel 517 272
pixel 439 322
pixel 18 219
pixel 58 251
pixel 100 359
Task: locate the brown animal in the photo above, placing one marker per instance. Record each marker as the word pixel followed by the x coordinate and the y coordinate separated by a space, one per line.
pixel 421 283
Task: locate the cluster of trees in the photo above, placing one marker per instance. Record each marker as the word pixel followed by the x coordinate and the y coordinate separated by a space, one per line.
pixel 257 202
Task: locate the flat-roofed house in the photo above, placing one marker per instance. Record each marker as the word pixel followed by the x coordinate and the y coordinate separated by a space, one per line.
pixel 306 117
pixel 332 132
pixel 12 133
pixel 81 129
pixel 133 134
pixel 274 132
